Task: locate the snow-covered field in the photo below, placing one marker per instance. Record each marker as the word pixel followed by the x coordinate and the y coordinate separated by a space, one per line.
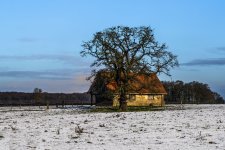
pixel 195 127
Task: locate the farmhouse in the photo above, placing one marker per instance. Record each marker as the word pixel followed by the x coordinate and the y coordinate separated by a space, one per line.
pixel 144 90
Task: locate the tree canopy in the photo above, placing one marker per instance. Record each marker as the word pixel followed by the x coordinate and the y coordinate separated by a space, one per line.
pixel 128 51
pixel 190 93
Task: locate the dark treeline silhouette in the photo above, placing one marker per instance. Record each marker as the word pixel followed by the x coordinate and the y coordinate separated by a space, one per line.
pixel 178 92
pixel 190 93
pixel 20 98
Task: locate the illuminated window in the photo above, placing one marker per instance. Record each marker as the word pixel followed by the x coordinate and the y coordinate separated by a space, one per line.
pixel 132 97
pixel 150 97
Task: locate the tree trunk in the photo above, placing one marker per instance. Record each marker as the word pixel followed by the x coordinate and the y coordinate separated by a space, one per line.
pixel 123 98
pixel 47 104
pixel 91 99
pixel 123 102
pixel 123 106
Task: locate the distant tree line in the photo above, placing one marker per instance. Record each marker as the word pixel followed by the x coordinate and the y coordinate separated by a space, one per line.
pixel 178 92
pixel 190 93
pixel 42 98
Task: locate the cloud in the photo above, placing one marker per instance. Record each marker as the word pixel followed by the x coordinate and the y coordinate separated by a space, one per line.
pixel 221 49
pixel 37 75
pixel 73 82
pixel 68 59
pixel 206 62
pixel 217 50
pixel 39 57
pixel 53 74
pixel 27 40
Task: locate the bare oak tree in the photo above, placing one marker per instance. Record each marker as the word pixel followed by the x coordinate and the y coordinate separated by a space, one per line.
pixel 125 52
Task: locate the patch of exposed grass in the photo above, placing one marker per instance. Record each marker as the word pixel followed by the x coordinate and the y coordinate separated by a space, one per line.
pixel 79 130
pixel 129 109
pixel 1 136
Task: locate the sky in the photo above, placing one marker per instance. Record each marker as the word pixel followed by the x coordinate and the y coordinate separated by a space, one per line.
pixel 40 40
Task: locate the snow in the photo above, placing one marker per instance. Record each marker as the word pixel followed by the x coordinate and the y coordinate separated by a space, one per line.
pixel 196 127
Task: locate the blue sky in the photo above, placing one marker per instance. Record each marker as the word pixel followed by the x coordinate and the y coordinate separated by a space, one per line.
pixel 40 40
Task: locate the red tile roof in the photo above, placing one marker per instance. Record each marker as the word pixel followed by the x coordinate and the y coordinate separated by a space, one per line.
pixel 140 84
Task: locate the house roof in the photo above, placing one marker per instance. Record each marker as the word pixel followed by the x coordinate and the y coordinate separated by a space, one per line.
pixel 140 84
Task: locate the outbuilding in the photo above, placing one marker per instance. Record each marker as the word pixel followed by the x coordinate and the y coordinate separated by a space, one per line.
pixel 144 90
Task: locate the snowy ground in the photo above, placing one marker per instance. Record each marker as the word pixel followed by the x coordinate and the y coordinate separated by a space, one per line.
pixel 195 127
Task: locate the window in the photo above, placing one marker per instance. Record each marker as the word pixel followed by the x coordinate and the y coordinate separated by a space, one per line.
pixel 132 97
pixel 150 97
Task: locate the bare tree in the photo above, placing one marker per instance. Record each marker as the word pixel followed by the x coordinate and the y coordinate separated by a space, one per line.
pixel 126 52
pixel 37 95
